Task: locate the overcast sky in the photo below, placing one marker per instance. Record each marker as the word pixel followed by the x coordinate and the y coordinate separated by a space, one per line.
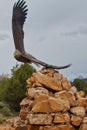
pixel 55 32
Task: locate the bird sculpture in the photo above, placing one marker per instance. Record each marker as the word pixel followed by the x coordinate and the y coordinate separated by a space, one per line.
pixel 18 19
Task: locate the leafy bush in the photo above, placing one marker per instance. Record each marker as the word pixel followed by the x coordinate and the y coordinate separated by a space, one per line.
pixel 6 112
pixel 2 105
pixel 1 119
pixel 12 90
pixel 80 85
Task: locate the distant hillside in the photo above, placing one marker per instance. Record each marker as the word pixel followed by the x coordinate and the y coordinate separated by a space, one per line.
pixel 85 79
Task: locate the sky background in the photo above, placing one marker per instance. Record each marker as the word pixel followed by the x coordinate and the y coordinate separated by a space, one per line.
pixel 55 32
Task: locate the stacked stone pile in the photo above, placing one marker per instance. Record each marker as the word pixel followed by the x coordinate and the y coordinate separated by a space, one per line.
pixel 52 103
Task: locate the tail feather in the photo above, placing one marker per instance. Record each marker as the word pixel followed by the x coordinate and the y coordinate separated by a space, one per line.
pixel 53 66
pixel 38 62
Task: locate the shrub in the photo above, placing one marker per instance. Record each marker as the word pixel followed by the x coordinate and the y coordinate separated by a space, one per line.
pixel 12 90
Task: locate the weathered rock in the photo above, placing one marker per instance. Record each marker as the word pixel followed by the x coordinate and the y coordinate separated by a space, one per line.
pixel 82 102
pixel 41 104
pixel 29 85
pixel 66 84
pixel 41 107
pixel 83 126
pixel 30 81
pixel 39 119
pixel 32 92
pixel 80 94
pixel 23 113
pixel 34 127
pixel 44 103
pixel 58 104
pixel 17 122
pixel 48 82
pixel 68 96
pixel 61 118
pixel 21 128
pixel 57 76
pixel 40 98
pixel 78 111
pixel 36 84
pixel 6 127
pixel 76 120
pixel 25 102
pixel 51 128
pixel 84 119
pixel 73 89
pixel 59 127
pixel 48 71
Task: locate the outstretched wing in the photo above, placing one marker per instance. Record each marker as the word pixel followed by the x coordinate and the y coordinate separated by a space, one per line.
pixel 18 19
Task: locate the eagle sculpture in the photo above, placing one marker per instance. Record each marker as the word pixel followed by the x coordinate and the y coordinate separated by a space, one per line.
pixel 18 19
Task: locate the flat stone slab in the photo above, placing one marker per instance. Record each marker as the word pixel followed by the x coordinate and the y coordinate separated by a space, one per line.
pixel 39 119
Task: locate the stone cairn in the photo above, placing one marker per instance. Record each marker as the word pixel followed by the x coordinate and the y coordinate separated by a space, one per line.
pixel 52 103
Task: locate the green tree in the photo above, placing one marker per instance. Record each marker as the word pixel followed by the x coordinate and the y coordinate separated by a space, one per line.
pixel 14 87
pixel 80 84
pixel 3 87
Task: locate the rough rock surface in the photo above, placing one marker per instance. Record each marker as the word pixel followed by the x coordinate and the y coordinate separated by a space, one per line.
pixel 52 103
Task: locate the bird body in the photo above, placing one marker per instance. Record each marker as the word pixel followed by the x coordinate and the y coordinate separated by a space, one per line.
pixel 18 19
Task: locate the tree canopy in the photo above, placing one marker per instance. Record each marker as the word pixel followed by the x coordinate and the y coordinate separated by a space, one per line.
pixel 12 90
pixel 80 84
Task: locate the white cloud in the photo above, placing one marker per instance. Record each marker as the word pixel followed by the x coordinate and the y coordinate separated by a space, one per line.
pixel 4 35
pixel 81 30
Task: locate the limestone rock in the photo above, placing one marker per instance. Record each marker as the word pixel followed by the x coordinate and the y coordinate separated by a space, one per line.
pixel 15 122
pixel 73 89
pixel 82 102
pixel 34 127
pixel 68 96
pixel 48 71
pixel 58 104
pixel 80 94
pixel 41 104
pixel 66 85
pixel 83 126
pixel 84 119
pixel 58 76
pixel 48 82
pixel 59 127
pixel 78 111
pixel 21 127
pixel 76 120
pixel 49 104
pixel 39 119
pixel 25 102
pixel 61 118
pixel 37 84
pixel 6 127
pixel 30 81
pixel 32 92
pixel 41 107
pixel 23 113
pixel 40 98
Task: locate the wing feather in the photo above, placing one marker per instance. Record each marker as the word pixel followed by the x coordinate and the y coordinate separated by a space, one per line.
pixel 18 19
